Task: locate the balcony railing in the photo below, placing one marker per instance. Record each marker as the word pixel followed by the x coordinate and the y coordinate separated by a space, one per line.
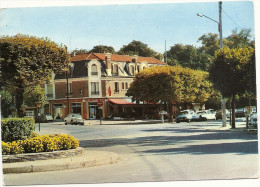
pixel 95 93
pixel 94 73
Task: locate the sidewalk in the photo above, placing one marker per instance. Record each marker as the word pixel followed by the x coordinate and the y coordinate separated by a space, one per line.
pixel 86 159
pixel 240 127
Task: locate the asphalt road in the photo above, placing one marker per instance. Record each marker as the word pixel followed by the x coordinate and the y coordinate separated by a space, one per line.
pixel 155 152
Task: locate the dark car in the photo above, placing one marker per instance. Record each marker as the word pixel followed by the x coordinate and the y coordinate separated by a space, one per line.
pixel 241 112
pixel 219 114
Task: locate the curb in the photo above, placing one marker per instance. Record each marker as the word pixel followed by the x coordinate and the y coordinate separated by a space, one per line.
pixel 87 159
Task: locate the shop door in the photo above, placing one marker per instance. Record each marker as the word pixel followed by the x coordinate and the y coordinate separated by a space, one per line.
pixel 93 111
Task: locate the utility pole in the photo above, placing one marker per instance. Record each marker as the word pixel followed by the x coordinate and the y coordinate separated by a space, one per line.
pixel 165 60
pixel 224 116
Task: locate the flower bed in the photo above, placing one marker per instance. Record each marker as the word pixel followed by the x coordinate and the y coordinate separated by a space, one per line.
pixel 36 144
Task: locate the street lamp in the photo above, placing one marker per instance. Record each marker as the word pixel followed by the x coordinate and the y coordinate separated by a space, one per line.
pixel 221 46
pixel 38 106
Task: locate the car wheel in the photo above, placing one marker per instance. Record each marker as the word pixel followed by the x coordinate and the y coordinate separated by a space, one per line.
pixel 188 121
pixel 177 121
pixel 66 123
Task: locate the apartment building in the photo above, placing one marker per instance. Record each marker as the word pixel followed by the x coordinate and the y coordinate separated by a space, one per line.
pixel 95 84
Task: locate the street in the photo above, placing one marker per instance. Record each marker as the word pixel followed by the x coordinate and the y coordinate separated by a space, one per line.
pixel 155 152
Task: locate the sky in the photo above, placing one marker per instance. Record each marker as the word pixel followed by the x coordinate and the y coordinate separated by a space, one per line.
pixel 82 27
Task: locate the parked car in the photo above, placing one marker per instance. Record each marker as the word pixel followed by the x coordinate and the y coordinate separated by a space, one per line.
pixel 74 119
pixel 204 115
pixel 218 114
pixel 241 112
pixel 253 119
pixel 185 115
pixel 48 118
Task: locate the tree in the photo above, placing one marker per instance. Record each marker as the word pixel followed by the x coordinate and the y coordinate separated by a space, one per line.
pixel 188 56
pixel 239 40
pixel 33 95
pixel 79 51
pixel 102 49
pixel 6 103
pixel 139 48
pixel 27 61
pixel 231 74
pixel 210 43
pixel 170 84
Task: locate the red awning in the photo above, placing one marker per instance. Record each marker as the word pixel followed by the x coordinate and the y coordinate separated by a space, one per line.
pixel 120 102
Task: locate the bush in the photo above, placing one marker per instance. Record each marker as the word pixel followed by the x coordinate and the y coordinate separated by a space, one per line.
pixel 13 129
pixel 45 143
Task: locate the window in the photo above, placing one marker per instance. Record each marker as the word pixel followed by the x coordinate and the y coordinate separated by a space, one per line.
pixel 94 88
pixel 132 70
pixel 116 87
pixel 126 85
pixel 115 69
pixel 123 85
pixel 138 68
pixel 94 70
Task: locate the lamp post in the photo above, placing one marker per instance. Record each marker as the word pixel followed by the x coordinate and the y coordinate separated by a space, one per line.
pixel 67 88
pixel 223 102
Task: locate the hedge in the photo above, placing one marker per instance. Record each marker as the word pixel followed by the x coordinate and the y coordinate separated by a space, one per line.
pixel 13 129
pixel 45 143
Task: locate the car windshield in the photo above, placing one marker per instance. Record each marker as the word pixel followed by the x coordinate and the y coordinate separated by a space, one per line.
pixel 202 112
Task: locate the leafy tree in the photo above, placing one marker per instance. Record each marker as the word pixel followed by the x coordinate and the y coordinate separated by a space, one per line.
pixel 139 48
pixel 188 56
pixel 27 61
pixel 102 49
pixel 231 74
pixel 79 51
pixel 170 84
pixel 210 43
pixel 239 39
pixel 33 95
pixel 6 103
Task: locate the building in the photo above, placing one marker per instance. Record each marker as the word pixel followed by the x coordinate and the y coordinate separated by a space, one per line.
pixel 95 85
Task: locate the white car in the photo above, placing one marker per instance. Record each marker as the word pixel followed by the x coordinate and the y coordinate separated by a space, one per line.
pixel 204 115
pixel 253 119
pixel 74 119
pixel 48 118
pixel 185 115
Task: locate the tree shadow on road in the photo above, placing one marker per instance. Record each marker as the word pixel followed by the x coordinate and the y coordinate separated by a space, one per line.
pixel 160 144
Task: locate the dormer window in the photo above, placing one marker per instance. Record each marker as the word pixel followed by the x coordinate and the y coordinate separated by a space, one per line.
pixel 94 70
pixel 132 70
pixel 115 69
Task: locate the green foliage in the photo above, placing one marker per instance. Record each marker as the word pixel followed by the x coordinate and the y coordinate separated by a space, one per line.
pixel 27 61
pixel 171 84
pixel 6 103
pixel 210 43
pixel 13 129
pixel 45 143
pixel 139 48
pixel 239 39
pixel 230 70
pixel 80 51
pixel 33 95
pixel 188 56
pixel 102 49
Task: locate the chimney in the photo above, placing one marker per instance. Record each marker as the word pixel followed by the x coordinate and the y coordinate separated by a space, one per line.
pixel 134 59
pixel 108 63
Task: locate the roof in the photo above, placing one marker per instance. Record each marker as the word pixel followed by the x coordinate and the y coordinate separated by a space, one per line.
pixel 120 102
pixel 115 58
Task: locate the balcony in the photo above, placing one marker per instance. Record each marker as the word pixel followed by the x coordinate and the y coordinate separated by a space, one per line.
pixel 94 73
pixel 95 93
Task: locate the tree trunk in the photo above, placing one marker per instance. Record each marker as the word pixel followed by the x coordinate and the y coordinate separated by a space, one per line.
pixel 233 112
pixel 19 103
pixel 170 118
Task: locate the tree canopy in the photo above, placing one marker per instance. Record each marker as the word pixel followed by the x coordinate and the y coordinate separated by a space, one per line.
pixel 171 84
pixel 102 49
pixel 139 48
pixel 233 72
pixel 27 61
